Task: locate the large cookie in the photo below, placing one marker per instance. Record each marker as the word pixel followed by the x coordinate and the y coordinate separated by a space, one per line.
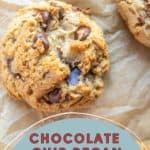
pixel 53 57
pixel 136 14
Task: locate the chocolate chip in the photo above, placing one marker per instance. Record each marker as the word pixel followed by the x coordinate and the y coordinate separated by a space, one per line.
pixel 46 18
pixel 9 64
pixel 77 9
pixel 140 20
pixel 42 36
pixel 82 33
pixel 54 96
pixel 15 75
pixel 47 75
pixel 29 91
pixel 61 14
pixel 85 11
pixel 74 75
pixel 67 97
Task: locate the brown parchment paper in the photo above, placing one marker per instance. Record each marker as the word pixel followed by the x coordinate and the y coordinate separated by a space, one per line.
pixel 126 98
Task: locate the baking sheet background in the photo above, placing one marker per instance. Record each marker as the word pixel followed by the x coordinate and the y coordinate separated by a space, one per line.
pixel 126 98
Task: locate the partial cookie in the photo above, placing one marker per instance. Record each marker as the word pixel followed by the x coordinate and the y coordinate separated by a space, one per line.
pixel 136 14
pixel 53 57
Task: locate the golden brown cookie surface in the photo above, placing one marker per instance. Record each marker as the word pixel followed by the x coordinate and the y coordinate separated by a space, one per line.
pixel 53 57
pixel 136 14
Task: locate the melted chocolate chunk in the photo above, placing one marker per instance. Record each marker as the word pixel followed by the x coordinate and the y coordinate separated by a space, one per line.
pixel 29 91
pixel 141 21
pixel 46 18
pixel 9 64
pixel 82 33
pixel 42 36
pixel 67 97
pixel 74 76
pixel 15 75
pixel 61 14
pixel 54 96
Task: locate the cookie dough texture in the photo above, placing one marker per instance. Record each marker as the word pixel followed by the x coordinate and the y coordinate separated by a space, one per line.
pixel 136 14
pixel 53 57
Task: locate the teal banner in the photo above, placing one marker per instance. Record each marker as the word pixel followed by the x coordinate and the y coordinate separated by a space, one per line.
pixel 78 134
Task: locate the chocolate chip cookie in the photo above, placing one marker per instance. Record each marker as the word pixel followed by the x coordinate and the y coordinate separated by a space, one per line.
pixel 136 14
pixel 53 57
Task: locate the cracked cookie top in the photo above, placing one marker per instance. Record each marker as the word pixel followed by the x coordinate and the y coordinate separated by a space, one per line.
pixel 53 57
